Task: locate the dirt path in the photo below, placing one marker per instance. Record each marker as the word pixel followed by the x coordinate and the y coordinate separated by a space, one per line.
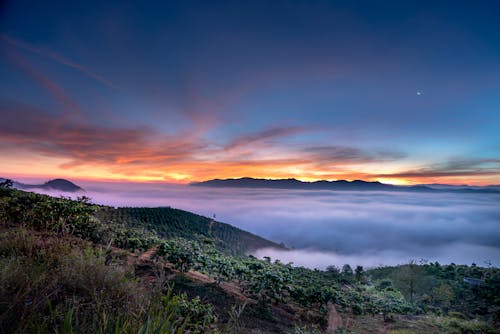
pixel 334 320
pixel 147 255
pixel 229 287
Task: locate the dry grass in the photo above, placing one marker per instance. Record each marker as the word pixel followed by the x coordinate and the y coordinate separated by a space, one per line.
pixel 65 285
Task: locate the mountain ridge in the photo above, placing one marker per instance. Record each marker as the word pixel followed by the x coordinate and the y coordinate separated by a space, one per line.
pixel 291 183
pixel 355 185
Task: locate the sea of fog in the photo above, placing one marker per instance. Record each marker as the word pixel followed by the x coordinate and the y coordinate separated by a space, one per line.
pixel 336 227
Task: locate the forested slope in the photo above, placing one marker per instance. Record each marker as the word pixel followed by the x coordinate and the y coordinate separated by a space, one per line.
pixel 171 223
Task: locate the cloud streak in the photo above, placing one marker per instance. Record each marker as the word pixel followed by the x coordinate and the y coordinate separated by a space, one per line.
pixel 273 133
pixel 72 109
pixel 344 154
pixel 145 153
pixel 462 167
pixel 86 144
pixel 57 58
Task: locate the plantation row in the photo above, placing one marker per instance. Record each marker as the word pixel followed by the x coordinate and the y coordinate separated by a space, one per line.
pixel 170 223
pixel 278 283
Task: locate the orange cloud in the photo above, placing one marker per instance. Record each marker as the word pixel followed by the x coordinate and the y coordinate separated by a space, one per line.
pixel 81 150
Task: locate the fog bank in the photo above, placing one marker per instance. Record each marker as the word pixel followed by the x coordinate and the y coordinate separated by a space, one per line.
pixel 337 227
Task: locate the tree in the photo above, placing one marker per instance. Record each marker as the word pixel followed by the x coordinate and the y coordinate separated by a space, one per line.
pixel 443 296
pixel 384 284
pixel 7 183
pixel 359 274
pixel 409 275
pixel 333 272
pixel 347 274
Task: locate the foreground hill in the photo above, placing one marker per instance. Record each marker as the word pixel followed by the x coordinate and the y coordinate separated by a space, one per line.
pixel 65 270
pixel 171 223
pixel 132 224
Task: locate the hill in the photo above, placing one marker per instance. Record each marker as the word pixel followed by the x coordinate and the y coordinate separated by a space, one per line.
pixel 61 184
pixel 174 223
pixel 55 184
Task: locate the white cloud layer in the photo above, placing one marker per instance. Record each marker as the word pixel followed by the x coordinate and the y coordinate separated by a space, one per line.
pixel 325 227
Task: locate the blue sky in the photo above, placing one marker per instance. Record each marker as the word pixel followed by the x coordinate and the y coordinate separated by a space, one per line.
pixel 309 89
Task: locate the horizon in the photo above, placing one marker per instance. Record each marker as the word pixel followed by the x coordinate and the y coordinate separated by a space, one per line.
pixel 43 179
pixel 400 93
pixel 321 228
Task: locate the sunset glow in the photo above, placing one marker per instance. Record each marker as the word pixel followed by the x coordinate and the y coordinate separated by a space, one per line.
pixel 235 102
pixel 263 166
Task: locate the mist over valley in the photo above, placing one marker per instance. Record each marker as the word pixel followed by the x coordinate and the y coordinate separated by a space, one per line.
pixel 322 228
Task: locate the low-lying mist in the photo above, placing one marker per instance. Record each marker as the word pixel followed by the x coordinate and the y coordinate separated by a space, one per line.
pixel 332 228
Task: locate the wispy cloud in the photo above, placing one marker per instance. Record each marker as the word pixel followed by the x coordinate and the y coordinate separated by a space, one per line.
pixel 273 133
pixel 86 143
pixel 71 107
pixel 57 58
pixel 452 168
pixel 147 153
pixel 349 155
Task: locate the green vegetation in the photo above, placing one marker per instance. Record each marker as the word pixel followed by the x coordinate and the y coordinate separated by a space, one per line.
pixel 74 286
pixel 442 289
pixel 173 223
pixel 68 266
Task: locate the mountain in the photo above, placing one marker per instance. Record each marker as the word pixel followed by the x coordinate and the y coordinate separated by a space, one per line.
pixel 248 182
pixel 356 185
pixel 55 184
pixel 61 184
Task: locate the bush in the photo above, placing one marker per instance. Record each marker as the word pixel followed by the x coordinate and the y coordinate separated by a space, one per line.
pixel 45 213
pixel 182 253
pixel 201 315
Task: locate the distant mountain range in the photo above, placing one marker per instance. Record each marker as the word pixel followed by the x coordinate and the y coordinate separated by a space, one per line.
pixel 293 184
pixel 55 184
pixel 248 182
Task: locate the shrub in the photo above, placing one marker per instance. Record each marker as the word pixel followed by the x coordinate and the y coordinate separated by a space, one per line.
pixel 182 253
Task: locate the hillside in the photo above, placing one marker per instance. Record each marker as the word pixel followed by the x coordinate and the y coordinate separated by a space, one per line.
pixel 70 267
pixel 172 223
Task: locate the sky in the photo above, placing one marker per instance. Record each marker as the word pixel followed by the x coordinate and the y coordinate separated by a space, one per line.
pixel 401 92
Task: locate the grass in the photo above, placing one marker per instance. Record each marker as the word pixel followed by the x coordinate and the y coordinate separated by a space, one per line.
pixel 59 284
